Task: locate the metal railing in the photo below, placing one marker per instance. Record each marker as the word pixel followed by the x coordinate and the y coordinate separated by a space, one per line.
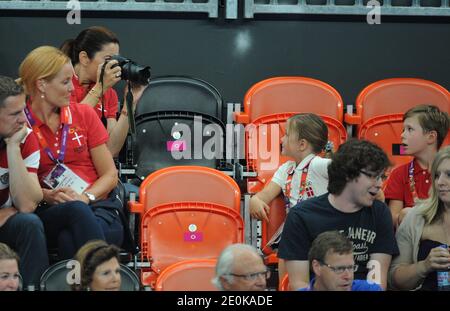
pixel 347 7
pixel 211 7
pixel 251 7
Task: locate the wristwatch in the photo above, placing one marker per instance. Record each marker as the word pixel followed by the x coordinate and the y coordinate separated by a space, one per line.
pixel 90 196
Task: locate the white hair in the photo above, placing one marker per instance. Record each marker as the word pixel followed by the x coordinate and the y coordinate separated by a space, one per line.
pixel 225 262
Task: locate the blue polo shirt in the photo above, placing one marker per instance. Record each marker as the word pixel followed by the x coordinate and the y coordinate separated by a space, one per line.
pixel 357 286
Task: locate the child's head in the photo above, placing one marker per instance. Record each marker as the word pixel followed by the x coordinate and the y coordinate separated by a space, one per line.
pixel 309 127
pixel 424 124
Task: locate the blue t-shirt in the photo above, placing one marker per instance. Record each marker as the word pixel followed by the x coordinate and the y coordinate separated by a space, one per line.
pixel 357 286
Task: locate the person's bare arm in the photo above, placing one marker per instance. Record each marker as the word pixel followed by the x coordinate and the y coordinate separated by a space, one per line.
pixel 396 207
pixel 106 170
pixel 110 78
pixel 24 188
pixel 298 271
pixel 409 276
pixel 118 130
pixel 259 207
pixel 381 267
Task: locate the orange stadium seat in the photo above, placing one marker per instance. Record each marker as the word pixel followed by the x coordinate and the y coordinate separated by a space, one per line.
pixel 188 275
pixel 380 108
pixel 290 94
pixel 187 184
pixel 187 212
pixel 267 106
pixel 188 230
pixel 284 284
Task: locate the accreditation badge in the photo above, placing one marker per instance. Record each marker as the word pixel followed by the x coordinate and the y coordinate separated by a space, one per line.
pixel 63 177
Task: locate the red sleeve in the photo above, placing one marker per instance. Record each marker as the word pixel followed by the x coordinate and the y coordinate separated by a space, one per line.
pixel 112 104
pixel 30 152
pixel 397 186
pixel 95 130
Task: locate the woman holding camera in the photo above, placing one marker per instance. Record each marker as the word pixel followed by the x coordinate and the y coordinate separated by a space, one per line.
pixel 93 80
pixel 81 205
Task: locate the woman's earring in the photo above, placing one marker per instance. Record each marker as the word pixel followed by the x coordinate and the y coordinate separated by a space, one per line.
pixel 42 96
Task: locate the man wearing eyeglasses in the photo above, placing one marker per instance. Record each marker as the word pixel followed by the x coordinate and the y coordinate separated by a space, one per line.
pixel 331 259
pixel 241 268
pixel 356 174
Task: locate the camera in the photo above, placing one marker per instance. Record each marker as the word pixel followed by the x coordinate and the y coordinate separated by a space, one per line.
pixel 132 71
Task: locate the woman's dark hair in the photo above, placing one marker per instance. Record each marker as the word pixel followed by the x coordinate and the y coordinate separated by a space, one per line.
pixel 90 256
pixel 90 40
pixel 352 157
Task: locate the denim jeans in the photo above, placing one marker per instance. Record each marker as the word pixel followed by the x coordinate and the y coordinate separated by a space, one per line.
pixel 69 225
pixel 24 233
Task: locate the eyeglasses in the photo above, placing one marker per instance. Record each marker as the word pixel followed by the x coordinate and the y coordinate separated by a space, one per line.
pixel 340 269
pixel 381 176
pixel 251 277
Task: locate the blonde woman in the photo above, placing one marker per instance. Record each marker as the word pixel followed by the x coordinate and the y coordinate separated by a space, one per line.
pixel 9 269
pixel 421 234
pixel 77 172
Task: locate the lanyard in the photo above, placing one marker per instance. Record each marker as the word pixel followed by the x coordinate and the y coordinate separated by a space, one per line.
pixel 43 142
pixel 302 187
pixel 412 183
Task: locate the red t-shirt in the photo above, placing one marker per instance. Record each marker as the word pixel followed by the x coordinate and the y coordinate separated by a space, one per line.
pixel 86 131
pixel 398 186
pixel 110 99
pixel 29 149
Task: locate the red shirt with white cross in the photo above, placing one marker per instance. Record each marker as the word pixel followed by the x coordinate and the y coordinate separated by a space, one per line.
pixel 109 99
pixel 86 131
pixel 398 185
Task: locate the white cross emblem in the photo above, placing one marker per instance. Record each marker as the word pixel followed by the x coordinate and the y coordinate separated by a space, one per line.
pixel 77 138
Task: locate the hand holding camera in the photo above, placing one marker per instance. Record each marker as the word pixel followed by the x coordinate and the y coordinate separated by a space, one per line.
pixel 130 71
pixel 137 90
pixel 138 77
pixel 111 73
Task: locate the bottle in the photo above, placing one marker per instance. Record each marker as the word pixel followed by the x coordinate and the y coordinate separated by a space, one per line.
pixel 443 281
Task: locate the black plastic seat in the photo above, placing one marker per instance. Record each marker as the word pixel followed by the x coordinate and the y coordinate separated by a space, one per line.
pixel 171 102
pixel 156 131
pixel 55 278
pixel 180 93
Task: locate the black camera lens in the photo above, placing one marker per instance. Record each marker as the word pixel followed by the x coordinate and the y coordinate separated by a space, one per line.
pixel 133 72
